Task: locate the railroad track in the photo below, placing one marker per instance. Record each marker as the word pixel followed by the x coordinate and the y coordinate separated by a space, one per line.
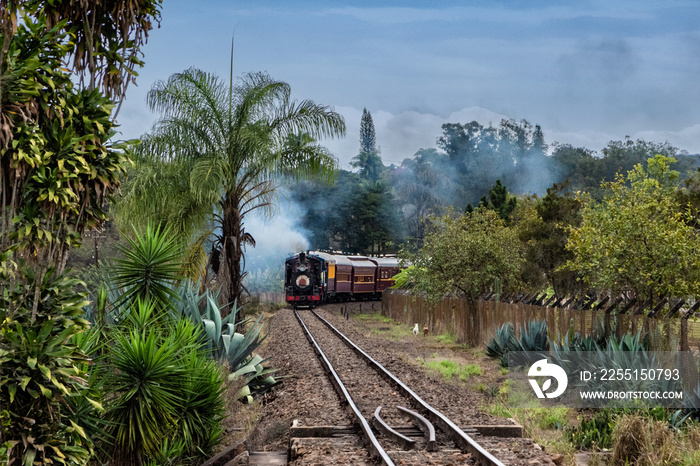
pixel 381 399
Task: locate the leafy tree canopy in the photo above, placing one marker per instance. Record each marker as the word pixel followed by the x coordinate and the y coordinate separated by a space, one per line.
pixel 222 150
pixel 465 254
pixel 543 226
pixel 637 240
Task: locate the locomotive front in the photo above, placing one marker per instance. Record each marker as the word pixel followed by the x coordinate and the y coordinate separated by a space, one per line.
pixel 303 282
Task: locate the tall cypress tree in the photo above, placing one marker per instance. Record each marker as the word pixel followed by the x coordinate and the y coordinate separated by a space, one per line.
pixel 368 160
pixel 368 138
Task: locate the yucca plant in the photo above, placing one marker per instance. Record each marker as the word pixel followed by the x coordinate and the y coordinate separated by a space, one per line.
pixel 160 385
pixel 146 386
pixel 149 268
pixel 202 409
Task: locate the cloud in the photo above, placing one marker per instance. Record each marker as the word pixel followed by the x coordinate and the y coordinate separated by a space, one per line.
pixel 401 135
pixel 496 14
pixel 687 139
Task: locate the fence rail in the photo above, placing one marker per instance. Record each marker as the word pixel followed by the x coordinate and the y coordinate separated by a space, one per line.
pixel 672 328
pixel 270 297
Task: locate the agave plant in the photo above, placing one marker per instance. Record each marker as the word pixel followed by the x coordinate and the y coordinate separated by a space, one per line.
pixel 224 343
pixel 257 378
pixel 503 341
pixel 533 336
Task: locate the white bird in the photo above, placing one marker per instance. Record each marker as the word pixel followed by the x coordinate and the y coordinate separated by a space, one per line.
pixel 416 331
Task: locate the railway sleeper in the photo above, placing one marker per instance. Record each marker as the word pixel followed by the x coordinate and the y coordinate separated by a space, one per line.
pixel 424 425
pixel 387 430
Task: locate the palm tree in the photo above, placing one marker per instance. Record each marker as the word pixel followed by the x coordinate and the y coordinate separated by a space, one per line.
pixel 230 145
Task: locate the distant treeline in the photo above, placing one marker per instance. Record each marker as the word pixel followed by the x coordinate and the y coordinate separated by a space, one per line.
pixel 378 208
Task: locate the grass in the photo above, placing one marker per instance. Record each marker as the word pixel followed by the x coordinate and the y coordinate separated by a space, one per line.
pixel 392 331
pixel 447 338
pixel 640 440
pixel 377 317
pixel 693 459
pixel 544 424
pixel 449 369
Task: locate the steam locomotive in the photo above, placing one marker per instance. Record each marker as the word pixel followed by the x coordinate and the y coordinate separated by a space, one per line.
pixel 314 277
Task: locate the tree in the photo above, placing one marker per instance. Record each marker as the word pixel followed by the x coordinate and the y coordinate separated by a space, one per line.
pixel 544 228
pixel 637 240
pixel 106 37
pixel 232 144
pixel 57 168
pixel 499 200
pixel 421 190
pixel 370 218
pixel 370 165
pixel 57 164
pixel 368 138
pixel 512 152
pixel 690 196
pixel 464 254
pixel 585 170
pixel 539 146
pixel 368 160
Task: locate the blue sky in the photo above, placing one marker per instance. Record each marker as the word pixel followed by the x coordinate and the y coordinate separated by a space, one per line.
pixel 587 71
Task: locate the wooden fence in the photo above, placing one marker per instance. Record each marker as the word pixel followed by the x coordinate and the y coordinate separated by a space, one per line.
pixel 269 297
pixel 671 328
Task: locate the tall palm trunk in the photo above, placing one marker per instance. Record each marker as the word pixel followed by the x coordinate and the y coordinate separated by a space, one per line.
pixel 231 249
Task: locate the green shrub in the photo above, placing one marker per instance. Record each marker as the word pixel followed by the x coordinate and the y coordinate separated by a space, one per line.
pixel 160 385
pixel 40 367
pixel 592 432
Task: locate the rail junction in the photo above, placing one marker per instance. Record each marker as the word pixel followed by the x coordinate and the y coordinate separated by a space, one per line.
pixel 404 409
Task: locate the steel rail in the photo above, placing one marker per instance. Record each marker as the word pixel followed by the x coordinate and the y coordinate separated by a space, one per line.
pixel 375 447
pixel 458 435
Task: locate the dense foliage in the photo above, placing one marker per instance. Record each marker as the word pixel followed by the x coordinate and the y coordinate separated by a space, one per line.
pixel 638 239
pixel 162 390
pixel 488 166
pixel 464 253
pixel 41 368
pixel 58 167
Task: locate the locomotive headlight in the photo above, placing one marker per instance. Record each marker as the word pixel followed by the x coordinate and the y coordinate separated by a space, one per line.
pixel 303 281
pixel 302 268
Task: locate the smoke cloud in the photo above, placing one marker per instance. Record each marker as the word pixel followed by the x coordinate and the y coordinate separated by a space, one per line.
pixel 276 239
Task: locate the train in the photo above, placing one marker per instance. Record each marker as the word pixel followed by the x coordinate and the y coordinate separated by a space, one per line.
pixel 312 278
